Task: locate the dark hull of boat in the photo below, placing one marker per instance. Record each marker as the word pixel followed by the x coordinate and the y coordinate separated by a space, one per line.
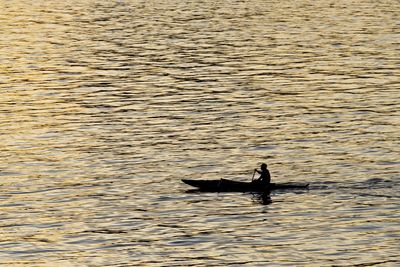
pixel 224 185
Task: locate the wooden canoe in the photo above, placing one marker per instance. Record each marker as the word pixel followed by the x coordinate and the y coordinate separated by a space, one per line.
pixel 224 185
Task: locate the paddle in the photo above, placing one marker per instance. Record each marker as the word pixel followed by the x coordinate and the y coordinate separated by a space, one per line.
pixel 252 178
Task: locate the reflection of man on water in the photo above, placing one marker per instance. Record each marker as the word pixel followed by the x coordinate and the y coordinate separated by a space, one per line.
pixel 265 176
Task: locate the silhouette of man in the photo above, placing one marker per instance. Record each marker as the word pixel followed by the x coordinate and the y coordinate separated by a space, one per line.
pixel 265 176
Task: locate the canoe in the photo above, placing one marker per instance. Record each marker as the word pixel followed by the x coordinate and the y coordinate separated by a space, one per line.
pixel 224 185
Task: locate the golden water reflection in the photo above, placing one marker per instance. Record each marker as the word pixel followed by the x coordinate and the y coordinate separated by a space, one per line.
pixel 105 106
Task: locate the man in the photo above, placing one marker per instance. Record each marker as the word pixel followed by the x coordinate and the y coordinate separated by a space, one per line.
pixel 265 176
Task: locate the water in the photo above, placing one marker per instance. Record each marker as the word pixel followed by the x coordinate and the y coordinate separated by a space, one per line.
pixel 106 105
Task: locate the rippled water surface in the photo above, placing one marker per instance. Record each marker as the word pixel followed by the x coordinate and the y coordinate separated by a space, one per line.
pixel 106 105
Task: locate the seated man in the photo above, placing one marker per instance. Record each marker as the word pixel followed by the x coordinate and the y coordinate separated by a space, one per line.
pixel 265 176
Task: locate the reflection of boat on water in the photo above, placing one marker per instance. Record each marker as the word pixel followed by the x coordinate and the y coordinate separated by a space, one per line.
pixel 224 185
pixel 263 198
